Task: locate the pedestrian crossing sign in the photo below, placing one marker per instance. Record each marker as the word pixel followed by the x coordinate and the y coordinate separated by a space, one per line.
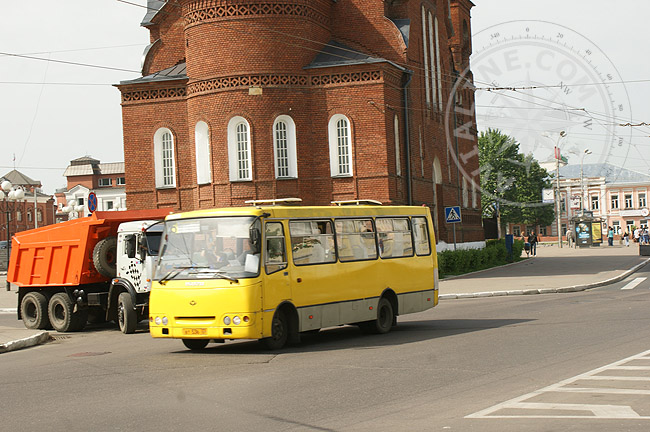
pixel 452 214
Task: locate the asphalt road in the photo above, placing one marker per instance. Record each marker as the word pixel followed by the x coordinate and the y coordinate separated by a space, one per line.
pixel 534 363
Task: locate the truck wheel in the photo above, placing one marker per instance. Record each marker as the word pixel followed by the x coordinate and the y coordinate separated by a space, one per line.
pixel 384 321
pixel 62 317
pixel 33 309
pixel 105 256
pixel 127 317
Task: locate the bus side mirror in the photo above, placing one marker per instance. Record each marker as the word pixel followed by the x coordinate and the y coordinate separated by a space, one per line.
pixel 129 241
pixel 255 237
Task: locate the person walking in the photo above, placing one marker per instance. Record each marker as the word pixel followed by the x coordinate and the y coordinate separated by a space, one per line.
pixel 626 238
pixel 610 236
pixel 532 240
pixel 569 237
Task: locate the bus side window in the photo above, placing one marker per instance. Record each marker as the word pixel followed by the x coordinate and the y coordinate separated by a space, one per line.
pixel 421 234
pixel 275 253
pixel 355 239
pixel 394 235
pixel 312 242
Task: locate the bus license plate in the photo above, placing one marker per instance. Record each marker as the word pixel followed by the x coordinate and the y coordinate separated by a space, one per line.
pixel 195 331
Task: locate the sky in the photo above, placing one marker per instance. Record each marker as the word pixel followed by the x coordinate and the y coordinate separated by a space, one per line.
pixel 54 112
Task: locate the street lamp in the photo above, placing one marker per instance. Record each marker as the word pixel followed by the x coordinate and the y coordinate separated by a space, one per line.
pixel 582 186
pixel 558 210
pixel 9 192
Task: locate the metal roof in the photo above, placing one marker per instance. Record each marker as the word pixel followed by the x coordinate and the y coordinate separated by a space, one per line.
pixel 338 54
pixel 404 26
pixel 176 72
pixel 613 174
pixel 105 168
pixel 19 179
pixel 153 7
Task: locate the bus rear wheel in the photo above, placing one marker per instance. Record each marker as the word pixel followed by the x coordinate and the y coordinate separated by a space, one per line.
pixel 195 344
pixel 384 321
pixel 279 332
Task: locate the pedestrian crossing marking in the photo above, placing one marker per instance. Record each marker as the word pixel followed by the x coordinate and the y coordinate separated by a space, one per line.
pixel 634 283
pixel 517 407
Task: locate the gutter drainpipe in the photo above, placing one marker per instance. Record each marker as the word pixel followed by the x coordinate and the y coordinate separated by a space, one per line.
pixel 407 133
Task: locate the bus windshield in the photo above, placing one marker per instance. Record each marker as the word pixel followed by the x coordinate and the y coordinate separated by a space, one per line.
pixel 205 248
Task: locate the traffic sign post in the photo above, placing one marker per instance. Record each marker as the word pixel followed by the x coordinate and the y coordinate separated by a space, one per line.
pixel 453 216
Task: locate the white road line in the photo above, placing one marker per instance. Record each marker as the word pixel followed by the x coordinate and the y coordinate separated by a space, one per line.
pixel 634 283
pixel 599 411
pixel 616 378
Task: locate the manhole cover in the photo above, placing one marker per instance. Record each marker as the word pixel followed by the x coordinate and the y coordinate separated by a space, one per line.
pixel 88 354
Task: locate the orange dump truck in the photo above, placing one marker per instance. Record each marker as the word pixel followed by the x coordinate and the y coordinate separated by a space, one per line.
pixel 91 269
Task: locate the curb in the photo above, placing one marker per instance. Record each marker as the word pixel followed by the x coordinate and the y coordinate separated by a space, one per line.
pixel 36 339
pixel 568 289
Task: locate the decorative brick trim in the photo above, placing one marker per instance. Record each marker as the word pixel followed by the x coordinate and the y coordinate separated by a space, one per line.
pixel 210 10
pixel 153 94
pixel 346 78
pixel 226 83
pixel 245 81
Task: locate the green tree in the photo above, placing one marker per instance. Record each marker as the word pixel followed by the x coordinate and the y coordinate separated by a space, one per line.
pixel 511 181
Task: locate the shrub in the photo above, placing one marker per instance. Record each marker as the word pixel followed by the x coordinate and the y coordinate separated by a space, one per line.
pixel 468 260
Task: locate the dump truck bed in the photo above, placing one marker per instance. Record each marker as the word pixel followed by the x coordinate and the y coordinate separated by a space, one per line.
pixel 62 254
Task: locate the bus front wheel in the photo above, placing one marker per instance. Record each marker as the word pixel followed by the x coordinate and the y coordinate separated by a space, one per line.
pixel 384 321
pixel 279 332
pixel 195 344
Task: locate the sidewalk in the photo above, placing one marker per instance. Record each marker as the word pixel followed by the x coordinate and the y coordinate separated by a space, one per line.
pixel 553 270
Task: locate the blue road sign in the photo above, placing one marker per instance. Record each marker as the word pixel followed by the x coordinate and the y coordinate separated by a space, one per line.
pixel 452 214
pixel 92 202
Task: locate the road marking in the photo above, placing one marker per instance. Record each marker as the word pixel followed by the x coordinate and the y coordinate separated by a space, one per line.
pixel 517 407
pixel 634 283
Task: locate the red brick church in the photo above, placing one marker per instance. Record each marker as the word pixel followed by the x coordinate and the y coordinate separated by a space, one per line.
pixel 318 99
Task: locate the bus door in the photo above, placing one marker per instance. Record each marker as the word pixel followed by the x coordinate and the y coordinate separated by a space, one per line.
pixel 315 279
pixel 276 286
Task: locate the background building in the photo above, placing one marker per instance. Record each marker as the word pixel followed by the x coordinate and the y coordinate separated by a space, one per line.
pixel 323 100
pixel 614 194
pixel 33 210
pixel 85 174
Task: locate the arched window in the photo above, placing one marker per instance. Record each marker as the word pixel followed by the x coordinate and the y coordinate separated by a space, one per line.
pixel 284 147
pixel 433 52
pixel 164 160
pixel 398 161
pixel 425 49
pixel 202 147
pixel 340 141
pixel 239 150
pixel 438 66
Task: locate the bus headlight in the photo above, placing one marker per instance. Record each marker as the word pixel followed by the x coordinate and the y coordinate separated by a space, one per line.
pixel 158 321
pixel 165 321
pixel 236 320
pixel 226 320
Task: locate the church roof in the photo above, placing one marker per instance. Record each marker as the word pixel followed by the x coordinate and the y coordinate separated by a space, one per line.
pixel 153 7
pixel 176 72
pixel 338 54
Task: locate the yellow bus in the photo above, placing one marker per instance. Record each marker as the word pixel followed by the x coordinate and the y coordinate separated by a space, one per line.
pixel 270 272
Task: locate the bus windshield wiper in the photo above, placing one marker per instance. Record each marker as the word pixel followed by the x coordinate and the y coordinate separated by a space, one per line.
pixel 175 272
pixel 219 273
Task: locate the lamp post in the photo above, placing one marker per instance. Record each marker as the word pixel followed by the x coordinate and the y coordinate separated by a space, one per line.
pixel 9 192
pixel 582 185
pixel 558 209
